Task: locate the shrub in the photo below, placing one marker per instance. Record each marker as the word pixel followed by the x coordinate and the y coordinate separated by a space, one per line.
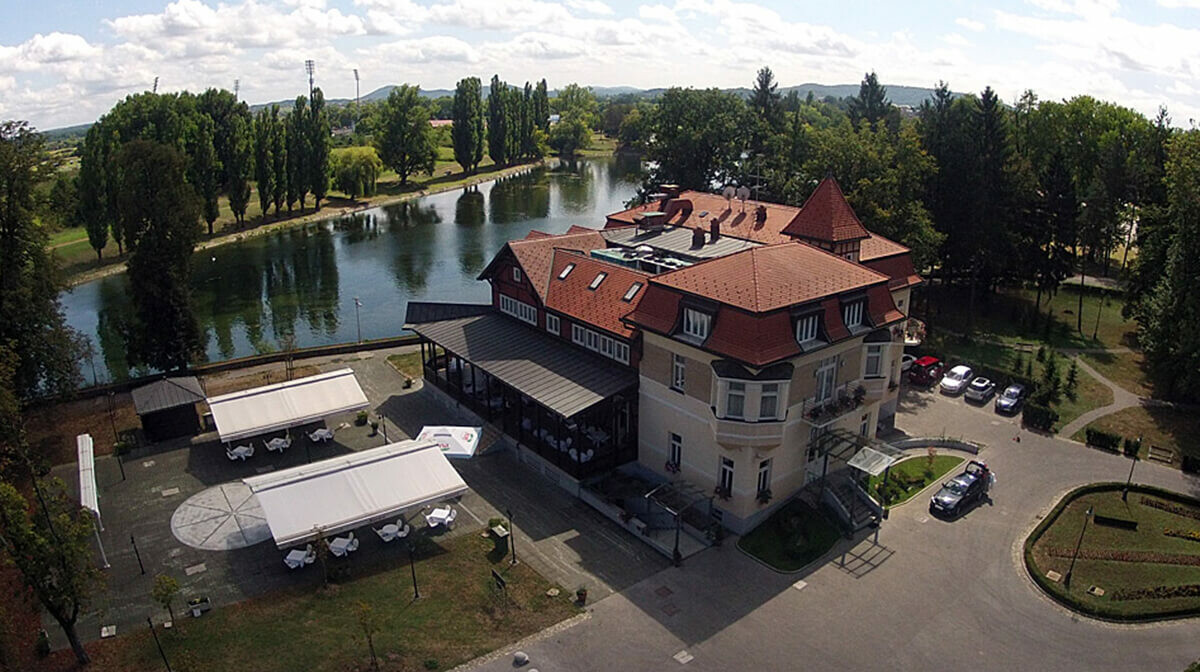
pixel 1132 446
pixel 1041 353
pixel 1072 380
pixel 1039 417
pixel 1190 535
pixel 1098 438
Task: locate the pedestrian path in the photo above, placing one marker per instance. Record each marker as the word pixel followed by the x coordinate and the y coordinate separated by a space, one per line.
pixel 1122 399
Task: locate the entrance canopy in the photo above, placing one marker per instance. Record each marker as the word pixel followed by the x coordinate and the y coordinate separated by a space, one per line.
pixel 240 415
pixel 872 461
pixel 460 442
pixel 350 491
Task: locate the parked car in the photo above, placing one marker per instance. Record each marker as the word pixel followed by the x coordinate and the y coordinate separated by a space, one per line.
pixel 981 389
pixel 962 491
pixel 957 379
pixel 926 371
pixel 1010 399
pixel 906 362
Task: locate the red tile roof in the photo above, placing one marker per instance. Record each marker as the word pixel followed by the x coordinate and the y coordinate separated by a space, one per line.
pixel 602 307
pixel 741 220
pixel 890 258
pixel 771 277
pixel 826 216
pixel 877 246
pixel 536 254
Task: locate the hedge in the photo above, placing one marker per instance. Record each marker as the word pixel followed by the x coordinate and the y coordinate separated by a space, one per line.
pixel 1132 446
pixel 1039 417
pixel 1098 438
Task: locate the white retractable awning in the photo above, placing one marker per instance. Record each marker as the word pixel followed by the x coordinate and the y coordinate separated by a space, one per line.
pixel 270 408
pixel 350 491
pixel 89 497
pixel 454 441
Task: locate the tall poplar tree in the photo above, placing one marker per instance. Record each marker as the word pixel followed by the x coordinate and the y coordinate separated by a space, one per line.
pixel 279 159
pixel 498 121
pixel 240 166
pixel 206 172
pixel 264 160
pixel 541 106
pixel 319 146
pixel 297 153
pixel 92 203
pixel 467 131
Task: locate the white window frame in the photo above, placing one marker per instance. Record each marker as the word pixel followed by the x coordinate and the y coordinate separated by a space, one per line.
pixel 725 475
pixel 874 355
pixel 696 323
pixel 621 352
pixel 730 393
pixel 553 325
pixel 764 475
pixel 864 427
pixel 674 448
pixel 562 275
pixel 593 341
pixel 852 313
pixel 678 371
pixel 578 334
pixel 606 346
pixel 808 328
pixel 518 309
pixel 762 395
pixel 516 274
pixel 826 375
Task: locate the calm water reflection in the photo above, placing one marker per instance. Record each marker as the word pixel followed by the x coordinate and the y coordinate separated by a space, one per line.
pixel 302 282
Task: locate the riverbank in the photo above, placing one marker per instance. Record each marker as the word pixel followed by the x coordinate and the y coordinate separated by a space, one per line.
pixel 338 207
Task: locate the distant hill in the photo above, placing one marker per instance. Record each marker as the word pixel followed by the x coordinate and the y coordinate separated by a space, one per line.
pixel 899 95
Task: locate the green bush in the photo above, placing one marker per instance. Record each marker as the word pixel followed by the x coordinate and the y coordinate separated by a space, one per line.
pixel 1098 438
pixel 1039 417
pixel 1133 446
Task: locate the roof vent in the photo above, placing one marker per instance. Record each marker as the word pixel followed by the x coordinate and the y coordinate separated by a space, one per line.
pixel 760 214
pixel 714 230
pixel 671 190
pixel 651 221
pixel 697 238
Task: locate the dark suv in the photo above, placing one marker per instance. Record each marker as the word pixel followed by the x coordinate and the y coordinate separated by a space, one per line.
pixel 963 491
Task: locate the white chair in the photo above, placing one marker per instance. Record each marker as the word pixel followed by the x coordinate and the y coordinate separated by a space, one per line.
pixel 353 546
pixel 404 529
pixel 384 535
pixel 450 518
pixel 310 554
pixel 233 456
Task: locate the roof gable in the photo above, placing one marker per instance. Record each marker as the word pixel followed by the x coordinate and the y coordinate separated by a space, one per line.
pixel 603 306
pixel 536 253
pixel 826 216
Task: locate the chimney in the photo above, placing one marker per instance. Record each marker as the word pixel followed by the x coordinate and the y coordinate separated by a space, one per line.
pixel 697 238
pixel 760 214
pixel 714 229
pixel 650 221
pixel 671 190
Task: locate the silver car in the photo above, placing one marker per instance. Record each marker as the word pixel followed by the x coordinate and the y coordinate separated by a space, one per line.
pixel 981 389
pixel 956 379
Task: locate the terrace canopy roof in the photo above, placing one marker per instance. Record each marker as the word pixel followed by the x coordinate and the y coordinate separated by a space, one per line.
pixel 556 375
pixel 350 491
pixel 270 408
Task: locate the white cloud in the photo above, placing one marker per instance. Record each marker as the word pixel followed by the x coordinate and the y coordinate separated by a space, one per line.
pixel 970 24
pixel 956 40
pixel 591 7
pixel 439 49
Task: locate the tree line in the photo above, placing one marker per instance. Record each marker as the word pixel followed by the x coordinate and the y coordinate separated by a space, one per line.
pixel 986 194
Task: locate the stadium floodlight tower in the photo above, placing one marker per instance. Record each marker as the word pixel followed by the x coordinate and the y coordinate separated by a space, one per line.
pixel 310 66
pixel 357 104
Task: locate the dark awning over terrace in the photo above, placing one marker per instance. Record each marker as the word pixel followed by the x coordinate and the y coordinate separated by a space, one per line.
pixel 554 374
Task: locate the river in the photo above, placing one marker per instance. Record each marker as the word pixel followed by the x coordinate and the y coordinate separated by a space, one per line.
pixel 303 280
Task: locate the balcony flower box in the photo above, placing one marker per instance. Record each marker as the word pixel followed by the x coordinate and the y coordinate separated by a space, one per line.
pixel 671 467
pixel 764 496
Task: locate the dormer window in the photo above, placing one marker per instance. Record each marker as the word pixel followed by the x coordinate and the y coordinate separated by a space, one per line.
pixel 852 314
pixel 516 274
pixel 696 324
pixel 598 279
pixel 562 275
pixel 632 292
pixel 806 328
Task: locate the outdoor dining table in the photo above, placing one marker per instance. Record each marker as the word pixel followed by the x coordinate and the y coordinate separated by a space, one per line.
pixel 340 545
pixel 438 516
pixel 296 557
pixel 321 434
pixel 390 529
pixel 278 443
pixel 243 451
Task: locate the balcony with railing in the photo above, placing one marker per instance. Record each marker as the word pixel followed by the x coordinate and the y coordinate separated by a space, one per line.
pixel 845 399
pixel 736 432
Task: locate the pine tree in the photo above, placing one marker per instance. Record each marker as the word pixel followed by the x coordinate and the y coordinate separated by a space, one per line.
pixel 466 133
pixel 765 100
pixel 871 104
pixel 1072 380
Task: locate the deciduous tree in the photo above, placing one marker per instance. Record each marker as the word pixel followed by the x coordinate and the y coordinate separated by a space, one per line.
pixel 467 132
pixel 318 147
pixel 264 160
pixel 403 135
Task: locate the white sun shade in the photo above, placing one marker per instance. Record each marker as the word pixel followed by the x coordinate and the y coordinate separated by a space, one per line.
pixel 88 498
pixel 240 415
pixel 351 491
pixel 454 441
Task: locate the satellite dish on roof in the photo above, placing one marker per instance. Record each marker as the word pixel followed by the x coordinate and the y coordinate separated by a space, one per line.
pixel 728 192
pixel 743 193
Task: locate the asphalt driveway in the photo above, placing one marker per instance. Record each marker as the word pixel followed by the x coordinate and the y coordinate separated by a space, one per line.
pixel 934 594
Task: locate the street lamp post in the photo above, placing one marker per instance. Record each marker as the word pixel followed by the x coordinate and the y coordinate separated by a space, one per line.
pixel 1078 544
pixel 512 536
pixel 1128 481
pixel 357 322
pixel 158 644
pixel 412 565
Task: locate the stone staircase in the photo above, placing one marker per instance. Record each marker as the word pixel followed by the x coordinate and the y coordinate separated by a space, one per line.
pixel 852 508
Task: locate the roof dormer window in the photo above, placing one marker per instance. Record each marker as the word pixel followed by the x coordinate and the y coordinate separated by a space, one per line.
pixel 598 279
pixel 632 292
pixel 696 324
pixel 562 275
pixel 807 328
pixel 852 314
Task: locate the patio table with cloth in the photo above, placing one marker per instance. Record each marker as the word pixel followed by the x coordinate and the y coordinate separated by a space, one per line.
pixel 438 516
pixel 278 443
pixel 296 558
pixel 340 546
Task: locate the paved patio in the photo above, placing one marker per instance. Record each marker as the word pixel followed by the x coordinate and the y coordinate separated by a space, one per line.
pixel 189 490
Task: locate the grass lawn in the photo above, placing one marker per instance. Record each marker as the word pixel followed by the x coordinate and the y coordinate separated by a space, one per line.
pixel 460 616
pixel 1089 392
pixel 1159 426
pixel 1127 369
pixel 912 475
pixel 407 363
pixel 1111 575
pixel 792 537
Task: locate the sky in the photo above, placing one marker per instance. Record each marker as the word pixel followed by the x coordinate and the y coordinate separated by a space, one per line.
pixel 65 62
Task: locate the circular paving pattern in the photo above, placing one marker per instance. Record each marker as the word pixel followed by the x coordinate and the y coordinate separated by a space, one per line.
pixel 221 518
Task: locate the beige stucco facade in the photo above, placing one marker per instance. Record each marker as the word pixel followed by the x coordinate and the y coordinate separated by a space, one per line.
pixel 706 439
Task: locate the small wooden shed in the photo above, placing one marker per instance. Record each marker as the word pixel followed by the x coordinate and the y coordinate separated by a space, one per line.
pixel 167 408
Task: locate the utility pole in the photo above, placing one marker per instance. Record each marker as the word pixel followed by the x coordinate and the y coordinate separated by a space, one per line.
pixel 310 66
pixel 357 322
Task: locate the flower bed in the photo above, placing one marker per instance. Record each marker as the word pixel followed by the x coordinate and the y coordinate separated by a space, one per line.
pixel 1171 508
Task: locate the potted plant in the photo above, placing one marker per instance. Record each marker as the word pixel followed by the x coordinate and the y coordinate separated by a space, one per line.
pixel 581 595
pixel 764 496
pixel 408 382
pixel 722 492
pixel 374 427
pixel 672 467
pixel 860 393
pixel 361 418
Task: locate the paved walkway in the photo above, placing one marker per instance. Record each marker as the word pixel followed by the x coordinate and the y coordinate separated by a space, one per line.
pixel 932 593
pixel 1122 399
